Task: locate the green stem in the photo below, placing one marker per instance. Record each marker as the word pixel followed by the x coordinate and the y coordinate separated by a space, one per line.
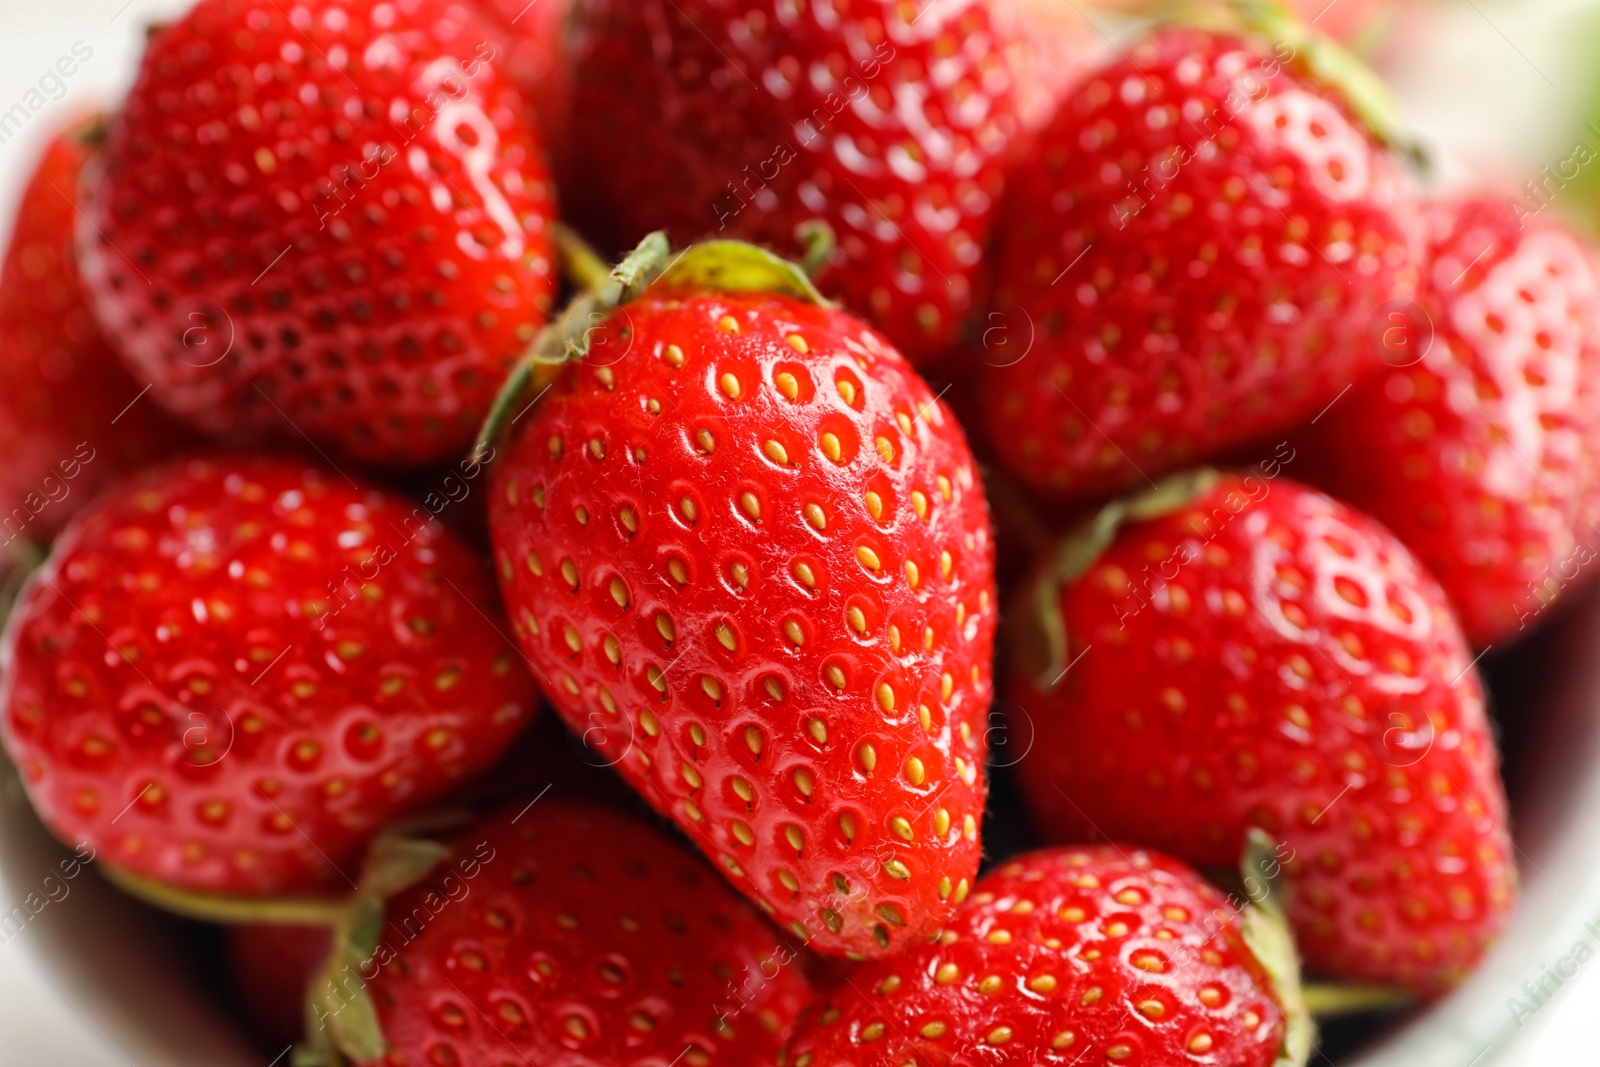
pixel 222 908
pixel 579 260
pixel 1329 999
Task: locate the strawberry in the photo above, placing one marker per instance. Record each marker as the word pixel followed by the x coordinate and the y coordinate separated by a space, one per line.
pixel 1229 652
pixel 1480 445
pixel 271 967
pixel 71 419
pixel 231 673
pixel 556 933
pixel 1189 261
pixel 746 548
pixel 1066 955
pixel 748 118
pixel 537 61
pixel 326 221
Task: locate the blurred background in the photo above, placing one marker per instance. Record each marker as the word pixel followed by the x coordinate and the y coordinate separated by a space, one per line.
pixel 1505 89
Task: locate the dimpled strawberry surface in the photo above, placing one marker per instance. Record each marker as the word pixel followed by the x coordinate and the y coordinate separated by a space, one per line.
pixel 233 672
pixel 324 221
pixel 746 547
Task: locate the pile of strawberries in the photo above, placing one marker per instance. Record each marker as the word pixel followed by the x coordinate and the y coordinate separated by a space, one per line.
pixel 348 450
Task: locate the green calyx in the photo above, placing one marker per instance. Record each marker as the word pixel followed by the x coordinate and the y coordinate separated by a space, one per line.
pixel 341 1020
pixel 1320 56
pixel 723 266
pixel 1266 931
pixel 225 908
pixel 1077 553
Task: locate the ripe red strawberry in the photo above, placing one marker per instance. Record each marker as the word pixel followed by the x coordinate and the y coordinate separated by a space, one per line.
pixel 71 419
pixel 272 967
pixel 1083 955
pixel 326 220
pixel 1192 257
pixel 564 934
pixel 231 673
pixel 1480 446
pixel 746 118
pixel 748 551
pixel 1231 652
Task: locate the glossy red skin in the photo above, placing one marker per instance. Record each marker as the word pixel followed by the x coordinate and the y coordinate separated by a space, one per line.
pixel 651 462
pixel 272 967
pixel 1180 938
pixel 1483 455
pixel 572 936
pixel 1150 336
pixel 680 97
pixel 172 695
pixel 416 265
pixel 537 62
pixel 1247 690
pixel 69 424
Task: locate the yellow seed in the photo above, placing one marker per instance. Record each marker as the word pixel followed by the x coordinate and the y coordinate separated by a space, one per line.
pixel 803 781
pixel 944 487
pixel 787 385
pixel 712 688
pixel 915 772
pixel 816 517
pixel 945 563
pixel 847 389
pixel 818 730
pixel 857 619
pixel 999 1035
pixel 774 688
pixel 657 679
pixel 790 882
pixel 885 696
pixel 868 755
pixel 619 592
pixel 630 520
pixel 687 507
pixel 795 836
pixel 896 869
pixel 807 577
pixel 847 826
pixel 872 1032
pixel 894 637
pixel 597 448
pixel 875 506
pixel 885 449
pixel 573 641
pixel 648 723
pixel 569 571
pixel 691 776
pixel 679 572
pixel 904 420
pixel 776 452
pixel 750 505
pixel 798 343
pixel 613 649
pixel 933 1031
pixel 834 675
pixel 728 324
pixel 868 558
pixel 730 385
pixel 674 355
pixel 752 738
pixel 941 822
pixel 791 630
pixel 1044 983
pixel 741 574
pixel 664 627
pixel 741 788
pixel 742 832
pixel 902 827
pixel 725 637
pixel 919 503
pixel 831 447
pixel 707 443
pixel 913 576
pixel 947 973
